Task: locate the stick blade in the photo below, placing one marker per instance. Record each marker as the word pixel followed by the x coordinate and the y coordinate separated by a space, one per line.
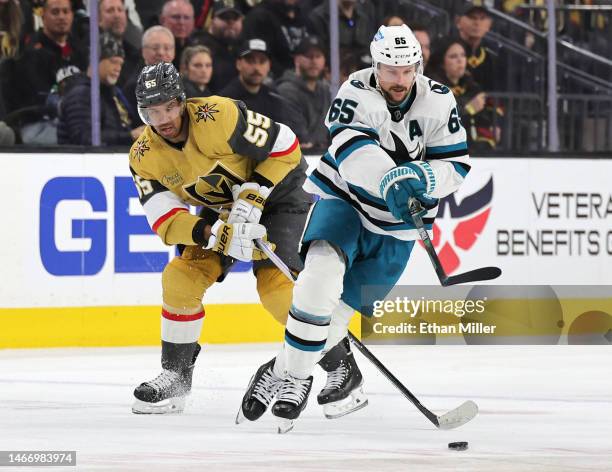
pixel 459 416
pixel 484 273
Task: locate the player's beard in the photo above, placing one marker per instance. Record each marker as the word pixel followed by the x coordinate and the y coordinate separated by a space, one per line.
pixel 396 90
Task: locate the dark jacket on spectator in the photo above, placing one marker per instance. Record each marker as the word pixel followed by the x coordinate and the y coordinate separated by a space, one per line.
pixel 75 115
pixel 192 90
pixel 311 106
pixel 355 33
pixel 223 59
pixel 482 65
pixel 40 62
pixel 267 103
pixel 282 34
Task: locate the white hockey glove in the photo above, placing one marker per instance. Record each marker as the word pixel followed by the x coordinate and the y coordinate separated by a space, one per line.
pixel 249 201
pixel 236 240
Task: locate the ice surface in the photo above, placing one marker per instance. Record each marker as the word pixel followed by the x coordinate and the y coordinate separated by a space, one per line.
pixel 542 408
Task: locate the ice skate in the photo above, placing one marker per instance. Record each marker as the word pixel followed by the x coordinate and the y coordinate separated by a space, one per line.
pixel 166 393
pixel 292 398
pixel 343 392
pixel 262 389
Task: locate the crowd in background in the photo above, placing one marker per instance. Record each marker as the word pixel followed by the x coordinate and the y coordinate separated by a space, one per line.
pixel 271 54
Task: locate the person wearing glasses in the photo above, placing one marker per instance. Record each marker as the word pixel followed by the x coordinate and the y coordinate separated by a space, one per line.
pixel 177 16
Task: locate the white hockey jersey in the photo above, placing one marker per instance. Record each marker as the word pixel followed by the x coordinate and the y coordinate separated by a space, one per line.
pixel 369 137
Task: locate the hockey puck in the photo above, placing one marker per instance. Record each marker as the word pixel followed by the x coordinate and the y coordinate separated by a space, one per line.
pixel 458 446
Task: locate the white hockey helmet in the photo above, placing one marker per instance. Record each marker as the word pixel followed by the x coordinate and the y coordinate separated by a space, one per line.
pixel 396 46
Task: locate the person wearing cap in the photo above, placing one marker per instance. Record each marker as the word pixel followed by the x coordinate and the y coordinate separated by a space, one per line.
pixel 253 65
pixel 308 92
pixel 116 117
pixel 473 23
pixel 281 25
pixel 221 38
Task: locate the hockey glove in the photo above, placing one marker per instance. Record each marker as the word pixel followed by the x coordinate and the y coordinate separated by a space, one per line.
pixel 402 183
pixel 236 240
pixel 249 201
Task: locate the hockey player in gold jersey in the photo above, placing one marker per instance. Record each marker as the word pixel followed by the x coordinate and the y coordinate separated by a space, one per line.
pixel 211 152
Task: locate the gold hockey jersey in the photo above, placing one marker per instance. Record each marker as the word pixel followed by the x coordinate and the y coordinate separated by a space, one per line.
pixel 227 144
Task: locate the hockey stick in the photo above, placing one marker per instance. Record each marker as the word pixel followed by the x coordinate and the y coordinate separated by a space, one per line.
pixel 450 420
pixel 484 273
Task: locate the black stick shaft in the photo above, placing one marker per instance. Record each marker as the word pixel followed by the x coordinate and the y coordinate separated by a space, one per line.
pixel 393 379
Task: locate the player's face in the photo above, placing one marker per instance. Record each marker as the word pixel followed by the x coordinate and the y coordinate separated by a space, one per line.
pixel 396 81
pixel 253 68
pixel 455 62
pixel 113 16
pixel 199 69
pixel 166 118
pixel 110 69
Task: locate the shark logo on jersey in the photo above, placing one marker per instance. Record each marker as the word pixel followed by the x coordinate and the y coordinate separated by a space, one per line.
pixel 214 188
pixel 472 215
pixel 401 153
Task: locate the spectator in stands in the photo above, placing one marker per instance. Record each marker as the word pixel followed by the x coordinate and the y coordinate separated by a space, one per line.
pixel 473 23
pixel 349 63
pixel 177 16
pixel 196 71
pixel 308 92
pixel 50 49
pixel 10 27
pixel 113 18
pixel 280 24
pixel 115 117
pixel 222 39
pixel 422 35
pixel 157 46
pixel 448 65
pixel 357 25
pixel 253 64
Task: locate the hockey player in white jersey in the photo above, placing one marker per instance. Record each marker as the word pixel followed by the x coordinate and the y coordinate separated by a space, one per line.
pixel 396 136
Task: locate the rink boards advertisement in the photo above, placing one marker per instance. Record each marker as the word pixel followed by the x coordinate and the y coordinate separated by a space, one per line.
pixel 82 267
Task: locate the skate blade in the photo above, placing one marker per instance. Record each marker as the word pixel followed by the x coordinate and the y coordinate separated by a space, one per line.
pixel 240 418
pixel 284 426
pixel 170 406
pixel 355 401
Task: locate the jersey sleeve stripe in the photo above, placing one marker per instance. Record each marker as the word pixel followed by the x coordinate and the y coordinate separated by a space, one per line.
pixel 286 151
pixel 448 148
pixel 165 216
pixel 335 130
pixel 461 168
pixel 446 155
pixel 350 146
